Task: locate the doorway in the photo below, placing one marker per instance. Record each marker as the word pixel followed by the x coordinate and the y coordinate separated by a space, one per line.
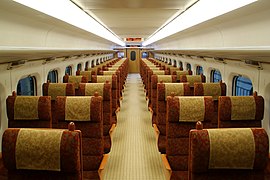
pixel 134 60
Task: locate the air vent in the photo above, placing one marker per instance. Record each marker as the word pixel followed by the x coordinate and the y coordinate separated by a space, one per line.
pixel 255 64
pixel 218 59
pixel 250 62
pixel 16 64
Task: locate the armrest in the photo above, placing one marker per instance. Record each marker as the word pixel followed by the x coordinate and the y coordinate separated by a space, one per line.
pixel 102 166
pixel 167 167
pixel 151 110
pixel 117 110
pixel 112 129
pixel 156 131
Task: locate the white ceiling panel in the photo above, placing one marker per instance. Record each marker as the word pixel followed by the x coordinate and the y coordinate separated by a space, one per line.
pixel 130 18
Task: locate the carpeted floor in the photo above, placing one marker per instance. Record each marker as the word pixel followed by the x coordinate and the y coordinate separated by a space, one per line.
pixel 134 154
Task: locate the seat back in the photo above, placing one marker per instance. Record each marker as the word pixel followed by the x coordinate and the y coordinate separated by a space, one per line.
pixel 240 111
pixel 76 80
pixel 42 153
pixel 231 153
pixel 172 69
pixel 179 73
pixel 149 81
pixel 118 74
pixel 211 89
pixel 191 79
pixel 54 90
pixel 87 74
pixel 155 79
pixel 87 113
pixel 182 114
pixel 29 111
pixel 164 90
pixel 104 90
pixel 114 84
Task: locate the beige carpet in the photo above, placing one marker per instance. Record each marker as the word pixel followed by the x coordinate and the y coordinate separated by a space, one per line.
pixel 134 154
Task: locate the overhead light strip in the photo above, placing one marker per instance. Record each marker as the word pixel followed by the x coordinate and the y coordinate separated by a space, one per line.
pixel 200 12
pixel 68 12
pixel 89 13
pixel 172 18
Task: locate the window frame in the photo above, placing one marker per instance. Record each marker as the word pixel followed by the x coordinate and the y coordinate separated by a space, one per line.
pixel 180 64
pixel 188 67
pixel 55 75
pixel 236 89
pixel 79 66
pixel 145 54
pixel 70 70
pixel 199 70
pixel 213 72
pixel 32 85
pixel 133 55
pixel 86 65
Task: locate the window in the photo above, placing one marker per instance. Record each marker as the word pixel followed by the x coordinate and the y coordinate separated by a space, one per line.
pixel 180 64
pixel 174 63
pixel 144 55
pixel 27 86
pixel 132 55
pixel 215 76
pixel 242 86
pixel 86 65
pixel 52 76
pixel 79 67
pixel 68 70
pixel 120 54
pixel 188 66
pixel 199 70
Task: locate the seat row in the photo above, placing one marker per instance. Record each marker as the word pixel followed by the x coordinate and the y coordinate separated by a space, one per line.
pixel 116 75
pixel 178 106
pixel 151 77
pixel 184 111
pixel 35 112
pixel 229 153
pixel 63 103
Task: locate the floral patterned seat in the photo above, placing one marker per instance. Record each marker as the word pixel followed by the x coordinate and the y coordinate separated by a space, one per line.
pixel 115 91
pixel 42 153
pixel 229 153
pixel 154 80
pixel 183 112
pixel 86 112
pixel 104 90
pixel 163 91
pixel 211 89
pixel 29 111
pixel 240 111
pixel 54 90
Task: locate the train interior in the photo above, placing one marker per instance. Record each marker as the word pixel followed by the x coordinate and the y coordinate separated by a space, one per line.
pixel 134 90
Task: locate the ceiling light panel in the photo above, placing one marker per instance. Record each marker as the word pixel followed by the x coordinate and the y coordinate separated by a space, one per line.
pixel 200 12
pixel 68 12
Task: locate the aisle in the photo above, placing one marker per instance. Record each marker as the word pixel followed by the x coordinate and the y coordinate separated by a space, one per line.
pixel 134 154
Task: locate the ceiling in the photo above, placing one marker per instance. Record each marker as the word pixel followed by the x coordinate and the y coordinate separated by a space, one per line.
pixel 126 18
pixel 133 18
